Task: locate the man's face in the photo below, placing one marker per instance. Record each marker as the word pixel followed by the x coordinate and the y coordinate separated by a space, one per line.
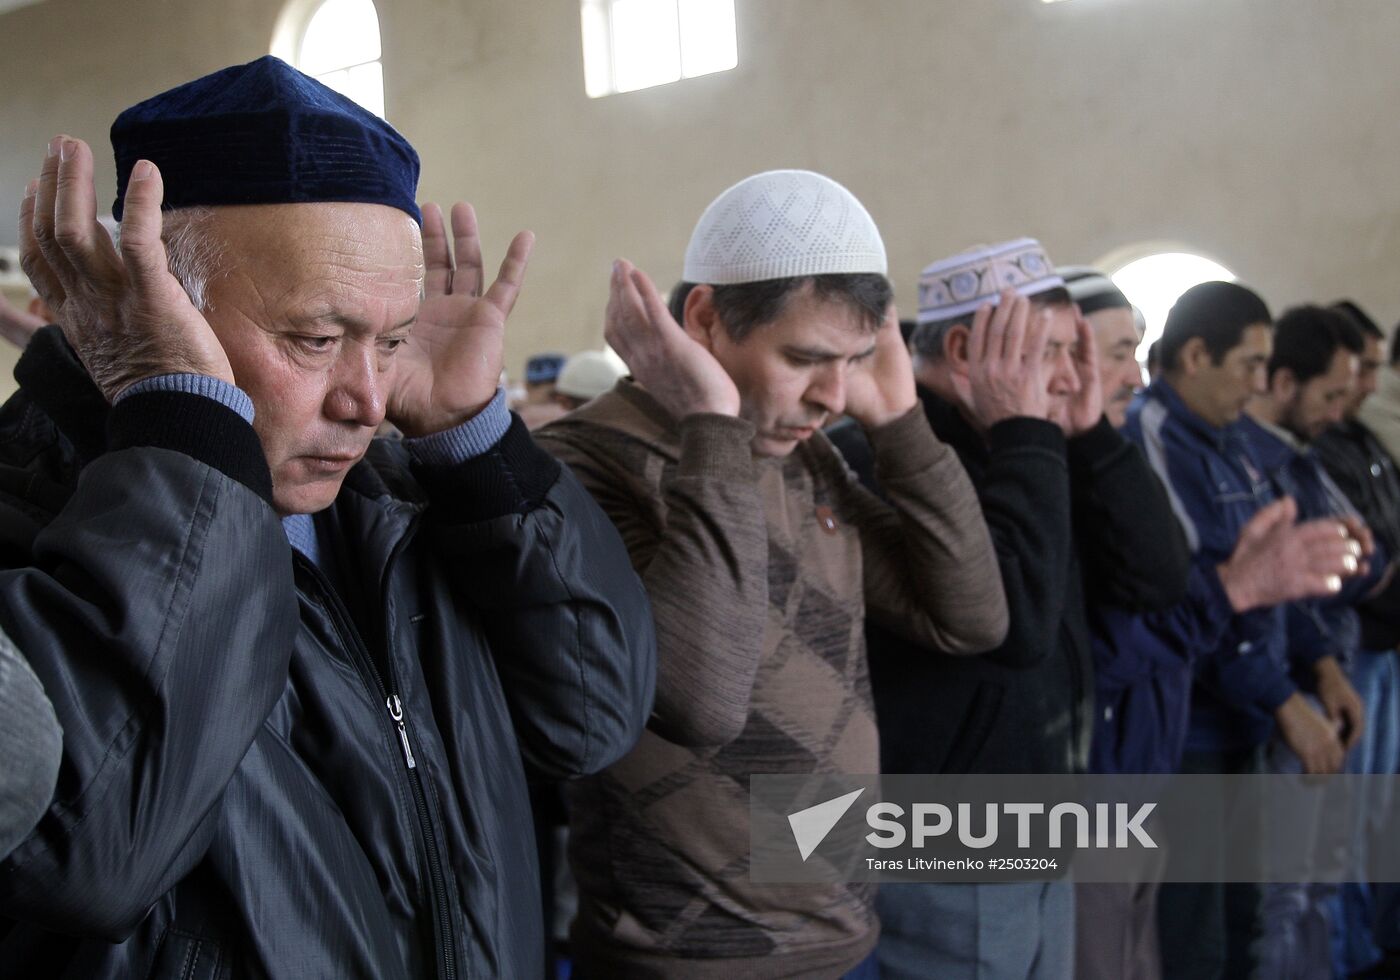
pixel 1319 403
pixel 1222 390
pixel 1367 374
pixel 1116 333
pixel 315 301
pixel 791 372
pixel 1061 378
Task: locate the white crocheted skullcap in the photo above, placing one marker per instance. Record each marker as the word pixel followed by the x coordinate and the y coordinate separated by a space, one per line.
pixel 589 374
pixel 783 223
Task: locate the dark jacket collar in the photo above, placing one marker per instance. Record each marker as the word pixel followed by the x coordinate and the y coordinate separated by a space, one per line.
pixel 949 424
pixel 51 375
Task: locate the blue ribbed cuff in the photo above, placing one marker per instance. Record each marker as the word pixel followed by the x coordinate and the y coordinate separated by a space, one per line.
pixel 477 435
pixel 227 395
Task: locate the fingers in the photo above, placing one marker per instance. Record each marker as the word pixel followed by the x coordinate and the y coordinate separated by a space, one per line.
pixel 506 289
pixel 31 257
pixel 977 337
pixel 1037 335
pixel 997 325
pixel 1360 533
pixel 1263 523
pixel 142 251
pixel 43 215
pixel 84 242
pixel 467 246
pixel 621 297
pixel 1016 332
pixel 658 316
pixel 437 257
pixel 1086 344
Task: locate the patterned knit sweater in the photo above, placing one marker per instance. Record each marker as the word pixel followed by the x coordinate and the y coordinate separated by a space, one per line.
pixel 760 573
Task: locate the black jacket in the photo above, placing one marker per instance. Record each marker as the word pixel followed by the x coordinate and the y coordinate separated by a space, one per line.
pixel 237 795
pixel 1357 462
pixel 1072 521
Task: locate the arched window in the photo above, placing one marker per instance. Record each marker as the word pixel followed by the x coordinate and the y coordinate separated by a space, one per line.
pixel 1153 283
pixel 337 43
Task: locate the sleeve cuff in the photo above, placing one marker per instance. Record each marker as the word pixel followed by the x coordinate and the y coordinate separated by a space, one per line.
pixel 193 424
pixel 511 477
pixel 227 395
pixel 716 445
pixel 472 438
pixel 906 445
pixel 1276 692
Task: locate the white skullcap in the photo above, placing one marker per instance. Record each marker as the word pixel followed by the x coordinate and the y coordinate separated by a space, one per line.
pixel 589 374
pixel 779 224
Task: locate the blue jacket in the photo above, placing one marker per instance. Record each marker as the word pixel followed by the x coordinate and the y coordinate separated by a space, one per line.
pixel 1142 675
pixel 1216 486
pixel 1317 628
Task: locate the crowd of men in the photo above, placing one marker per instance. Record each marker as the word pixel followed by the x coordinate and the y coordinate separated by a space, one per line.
pixel 278 696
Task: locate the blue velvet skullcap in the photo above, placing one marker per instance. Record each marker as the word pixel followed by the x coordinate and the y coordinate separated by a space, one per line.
pixel 543 368
pixel 264 133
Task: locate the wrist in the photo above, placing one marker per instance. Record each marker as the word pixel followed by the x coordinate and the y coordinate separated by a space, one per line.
pixel 1237 591
pixel 881 417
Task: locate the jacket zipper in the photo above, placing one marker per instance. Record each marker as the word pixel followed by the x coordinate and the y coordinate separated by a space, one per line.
pixel 442 918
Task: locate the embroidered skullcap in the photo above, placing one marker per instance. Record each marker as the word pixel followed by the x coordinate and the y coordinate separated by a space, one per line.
pixel 960 284
pixel 543 368
pixel 1092 290
pixel 589 374
pixel 264 133
pixel 780 224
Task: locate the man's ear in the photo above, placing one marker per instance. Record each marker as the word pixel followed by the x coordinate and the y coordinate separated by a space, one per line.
pixel 955 347
pixel 1194 357
pixel 702 320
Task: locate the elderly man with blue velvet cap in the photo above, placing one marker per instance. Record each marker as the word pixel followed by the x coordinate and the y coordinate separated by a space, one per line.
pixel 302 673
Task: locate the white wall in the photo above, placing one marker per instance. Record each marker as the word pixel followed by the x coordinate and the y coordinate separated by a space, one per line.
pixel 1261 132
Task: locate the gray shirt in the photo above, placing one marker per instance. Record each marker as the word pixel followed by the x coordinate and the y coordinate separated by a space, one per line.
pixel 30 746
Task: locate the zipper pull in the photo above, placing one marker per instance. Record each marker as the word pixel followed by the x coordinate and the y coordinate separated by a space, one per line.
pixel 396 713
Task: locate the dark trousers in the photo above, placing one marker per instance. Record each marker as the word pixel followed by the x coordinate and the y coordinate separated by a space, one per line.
pixel 1207 929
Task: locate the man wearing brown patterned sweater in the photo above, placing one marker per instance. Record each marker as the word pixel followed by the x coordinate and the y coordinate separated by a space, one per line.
pixel 762 555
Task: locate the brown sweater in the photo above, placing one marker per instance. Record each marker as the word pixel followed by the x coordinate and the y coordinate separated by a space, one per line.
pixel 760 572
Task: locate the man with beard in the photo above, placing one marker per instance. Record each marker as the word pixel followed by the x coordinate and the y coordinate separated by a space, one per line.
pixel 1215 352
pixel 1312 372
pixel 1363 469
pixel 1143 661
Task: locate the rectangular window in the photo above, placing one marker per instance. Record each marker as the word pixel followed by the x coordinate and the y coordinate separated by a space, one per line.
pixel 635 44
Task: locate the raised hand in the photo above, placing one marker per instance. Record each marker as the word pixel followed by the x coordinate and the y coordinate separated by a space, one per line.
pixel 451 366
pixel 1085 405
pixel 124 314
pixel 881 389
pixel 1005 363
pixel 676 369
pixel 1276 560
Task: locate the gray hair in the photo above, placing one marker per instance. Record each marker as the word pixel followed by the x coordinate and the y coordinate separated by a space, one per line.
pixel 192 251
pixel 927 339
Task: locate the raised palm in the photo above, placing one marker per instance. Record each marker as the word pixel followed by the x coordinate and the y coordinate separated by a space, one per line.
pixel 451 366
